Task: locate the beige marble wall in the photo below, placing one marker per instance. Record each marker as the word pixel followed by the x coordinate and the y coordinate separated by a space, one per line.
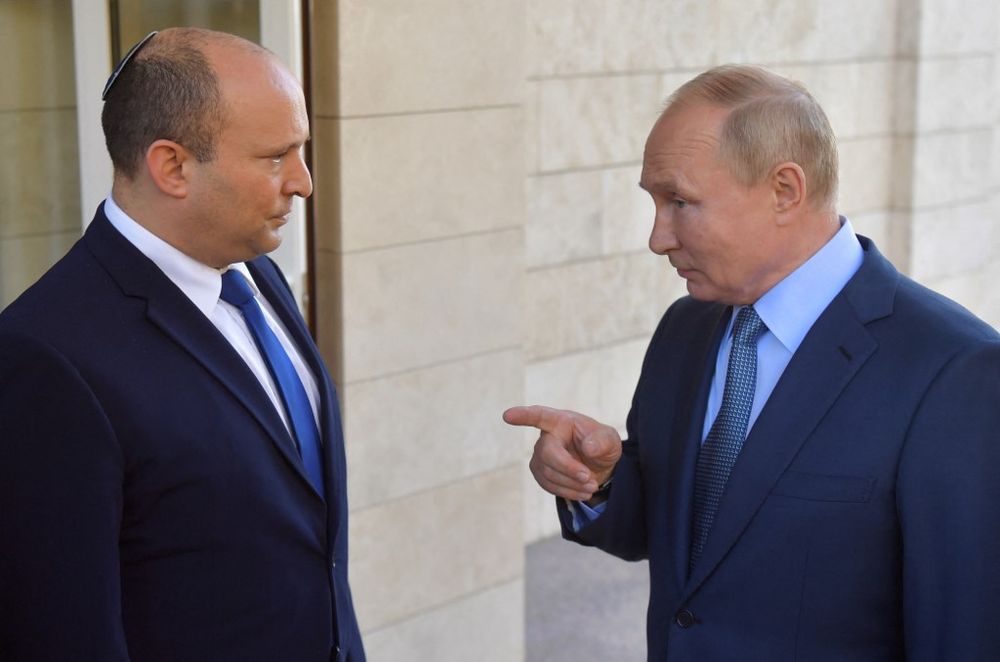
pixel 419 167
pixel 911 88
pixel 481 241
pixel 950 206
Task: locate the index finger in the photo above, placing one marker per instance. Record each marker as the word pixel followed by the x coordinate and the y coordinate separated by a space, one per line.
pixel 545 419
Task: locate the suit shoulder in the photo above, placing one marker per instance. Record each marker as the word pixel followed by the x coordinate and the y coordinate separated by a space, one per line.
pixel 66 299
pixel 22 352
pixel 934 316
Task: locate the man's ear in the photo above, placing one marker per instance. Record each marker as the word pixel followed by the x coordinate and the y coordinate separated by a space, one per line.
pixel 167 162
pixel 788 185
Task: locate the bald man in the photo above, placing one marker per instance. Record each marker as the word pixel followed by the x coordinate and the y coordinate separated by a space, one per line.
pixel 172 468
pixel 812 455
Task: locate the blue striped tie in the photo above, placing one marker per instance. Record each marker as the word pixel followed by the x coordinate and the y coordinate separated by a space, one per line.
pixel 237 291
pixel 725 438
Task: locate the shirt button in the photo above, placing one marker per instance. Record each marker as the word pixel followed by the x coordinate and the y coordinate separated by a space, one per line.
pixel 684 619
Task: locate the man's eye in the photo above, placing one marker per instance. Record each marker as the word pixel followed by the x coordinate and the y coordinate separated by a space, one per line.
pixel 679 203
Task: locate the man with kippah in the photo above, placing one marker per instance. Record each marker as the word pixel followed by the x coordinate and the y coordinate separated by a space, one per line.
pixel 172 468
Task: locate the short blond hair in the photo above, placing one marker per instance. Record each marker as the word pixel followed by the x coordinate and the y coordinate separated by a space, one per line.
pixel 772 120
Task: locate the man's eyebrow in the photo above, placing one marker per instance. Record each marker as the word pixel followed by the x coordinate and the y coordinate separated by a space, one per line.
pixel 658 186
pixel 281 149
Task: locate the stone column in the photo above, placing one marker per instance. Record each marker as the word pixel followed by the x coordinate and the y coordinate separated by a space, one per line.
pixel 419 209
pixel 948 156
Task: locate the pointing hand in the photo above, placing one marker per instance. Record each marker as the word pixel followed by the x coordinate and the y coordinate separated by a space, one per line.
pixel 574 453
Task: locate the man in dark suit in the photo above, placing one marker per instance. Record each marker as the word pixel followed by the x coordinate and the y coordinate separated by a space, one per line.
pixel 172 473
pixel 813 463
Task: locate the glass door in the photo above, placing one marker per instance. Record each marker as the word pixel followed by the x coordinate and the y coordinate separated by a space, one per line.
pixel 39 174
pixel 131 20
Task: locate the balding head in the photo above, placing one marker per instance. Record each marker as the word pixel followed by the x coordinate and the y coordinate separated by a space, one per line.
pixel 771 120
pixel 172 90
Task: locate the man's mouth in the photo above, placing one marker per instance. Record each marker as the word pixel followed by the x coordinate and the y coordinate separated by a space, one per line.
pixel 683 272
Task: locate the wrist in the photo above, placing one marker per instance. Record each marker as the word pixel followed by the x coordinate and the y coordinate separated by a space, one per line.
pixel 602 494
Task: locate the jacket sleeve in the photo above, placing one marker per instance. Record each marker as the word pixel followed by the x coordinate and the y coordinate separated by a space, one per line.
pixel 60 512
pixel 948 499
pixel 621 528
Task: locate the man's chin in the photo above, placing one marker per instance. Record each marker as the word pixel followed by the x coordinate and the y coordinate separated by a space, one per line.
pixel 701 293
pixel 270 243
pixel 260 247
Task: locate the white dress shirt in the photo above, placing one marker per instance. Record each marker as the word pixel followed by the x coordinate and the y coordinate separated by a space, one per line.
pixel 202 284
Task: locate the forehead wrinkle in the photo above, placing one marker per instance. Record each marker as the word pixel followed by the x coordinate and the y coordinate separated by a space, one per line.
pixel 667 167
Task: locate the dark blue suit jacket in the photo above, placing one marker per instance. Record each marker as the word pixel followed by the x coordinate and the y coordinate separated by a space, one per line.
pixel 152 505
pixel 862 519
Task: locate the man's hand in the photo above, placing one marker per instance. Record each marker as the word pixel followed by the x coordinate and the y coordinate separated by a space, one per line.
pixel 574 454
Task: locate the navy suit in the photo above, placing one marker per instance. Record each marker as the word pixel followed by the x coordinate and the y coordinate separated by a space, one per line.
pixel 152 504
pixel 861 521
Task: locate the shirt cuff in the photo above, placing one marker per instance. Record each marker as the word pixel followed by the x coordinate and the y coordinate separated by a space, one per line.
pixel 583 514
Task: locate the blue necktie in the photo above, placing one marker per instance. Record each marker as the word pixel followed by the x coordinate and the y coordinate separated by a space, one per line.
pixel 237 291
pixel 725 438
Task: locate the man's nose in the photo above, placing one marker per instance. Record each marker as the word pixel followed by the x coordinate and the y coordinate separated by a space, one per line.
pixel 663 239
pixel 298 180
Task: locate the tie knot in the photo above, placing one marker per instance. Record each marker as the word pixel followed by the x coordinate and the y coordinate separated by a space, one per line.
pixel 235 288
pixel 748 326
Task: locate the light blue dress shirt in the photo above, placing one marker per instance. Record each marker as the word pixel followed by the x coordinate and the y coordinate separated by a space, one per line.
pixel 789 310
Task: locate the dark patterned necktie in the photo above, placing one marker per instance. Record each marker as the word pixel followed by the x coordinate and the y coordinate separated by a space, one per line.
pixel 725 439
pixel 237 291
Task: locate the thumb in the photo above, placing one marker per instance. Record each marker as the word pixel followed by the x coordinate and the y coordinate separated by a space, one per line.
pixel 600 449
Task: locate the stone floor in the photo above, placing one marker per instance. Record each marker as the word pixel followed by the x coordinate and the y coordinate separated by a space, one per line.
pixel 583 605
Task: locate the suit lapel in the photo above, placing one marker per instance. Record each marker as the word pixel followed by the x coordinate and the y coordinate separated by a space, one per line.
pixel 699 363
pixel 330 428
pixel 833 351
pixel 177 317
pixel 283 305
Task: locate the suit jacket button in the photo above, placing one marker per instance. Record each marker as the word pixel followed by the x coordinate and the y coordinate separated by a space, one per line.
pixel 684 618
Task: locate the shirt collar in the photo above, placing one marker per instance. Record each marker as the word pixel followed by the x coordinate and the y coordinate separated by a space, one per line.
pixel 199 282
pixel 790 308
